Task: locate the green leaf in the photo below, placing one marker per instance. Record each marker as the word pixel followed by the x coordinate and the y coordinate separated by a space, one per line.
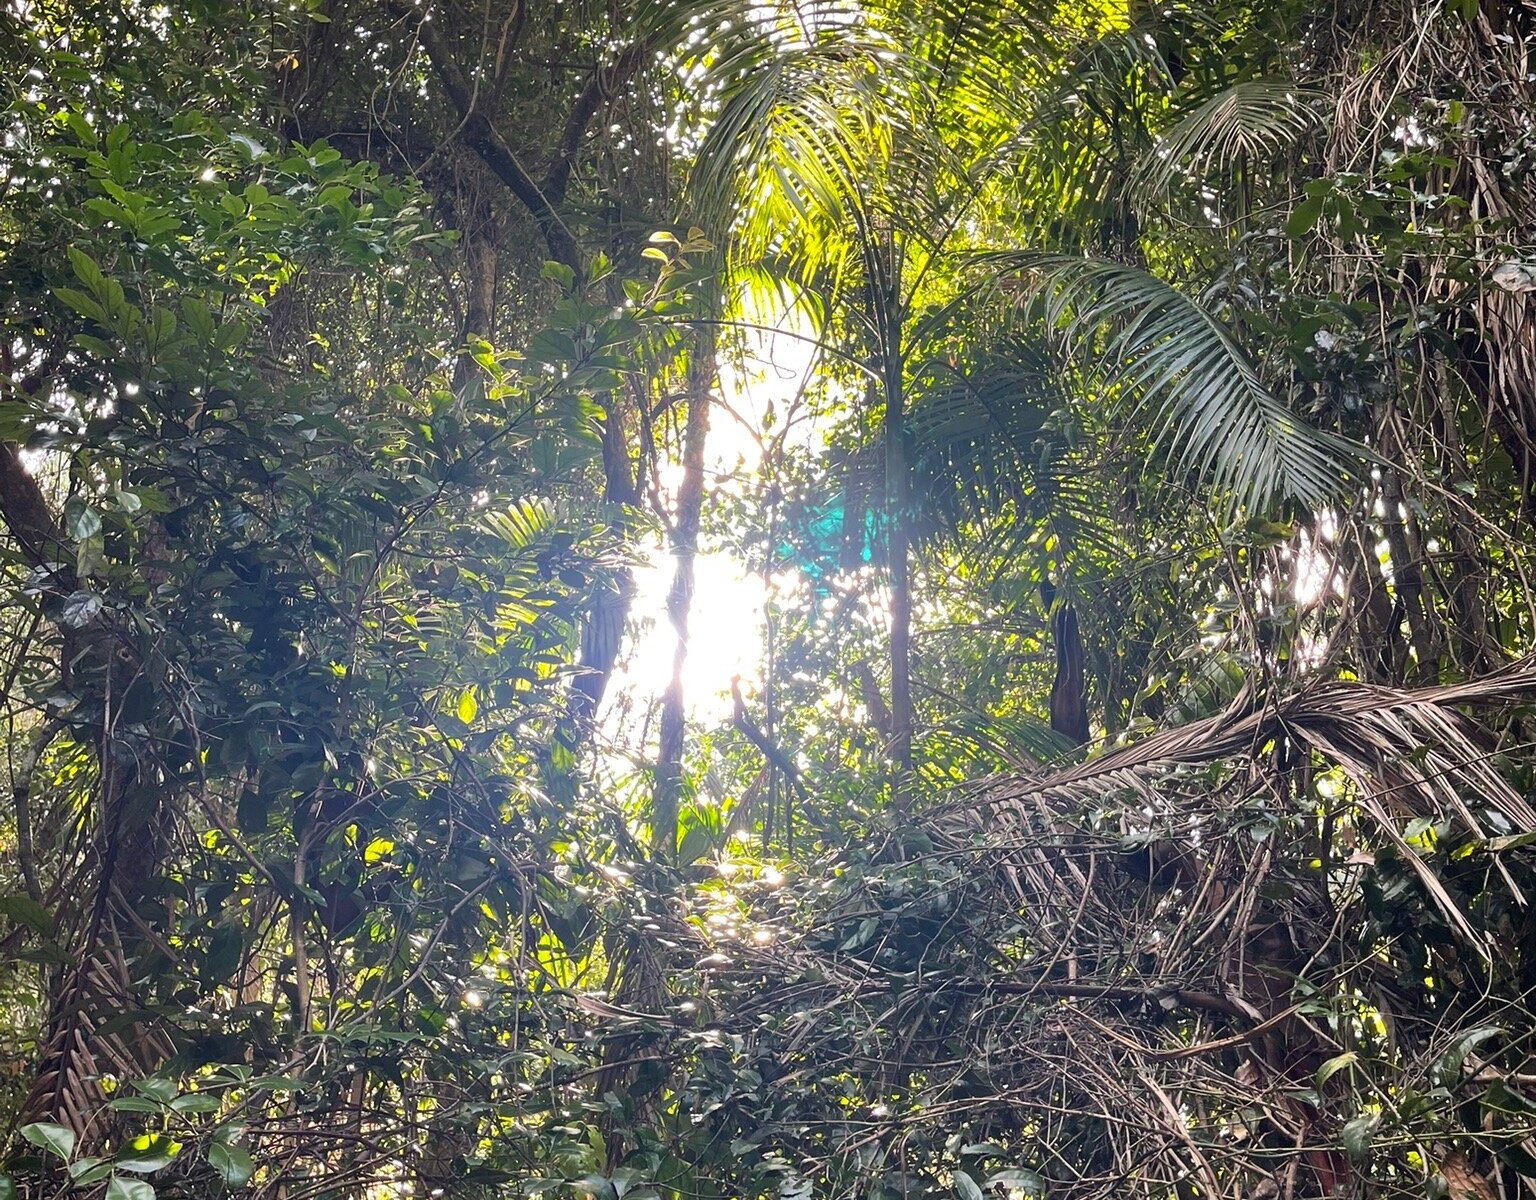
pixel 1356 1135
pixel 468 706
pixel 276 1083
pixel 1018 1179
pixel 233 1164
pixel 196 1102
pixel 1334 1065
pixel 88 272
pixel 560 273
pixel 7 1188
pixel 80 609
pixel 156 1087
pixel 967 1188
pixel 86 1171
pixel 144 1164
pixel 135 1104
pixel 27 911
pixel 224 951
pixel 1448 1067
pixel 250 145
pixel 121 1188
pixel 147 1153
pixel 83 522
pixel 1187 381
pixel 199 318
pixel 1516 1156
pixel 56 1139
pixel 82 304
pixel 696 843
pixel 1304 217
pixel 598 1186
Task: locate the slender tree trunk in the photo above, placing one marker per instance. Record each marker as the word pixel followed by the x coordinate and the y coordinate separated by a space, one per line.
pixel 1408 580
pixel 901 582
pixel 685 546
pixel 602 632
pixel 480 296
pixel 885 283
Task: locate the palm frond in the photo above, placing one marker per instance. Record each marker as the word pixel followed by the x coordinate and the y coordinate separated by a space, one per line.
pixel 979 440
pixel 792 127
pixel 1184 378
pixel 522 525
pixel 1020 741
pixel 1408 754
pixel 1253 121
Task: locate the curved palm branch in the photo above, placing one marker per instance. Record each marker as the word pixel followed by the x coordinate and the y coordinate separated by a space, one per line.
pixel 1185 378
pixel 1408 753
pixel 1252 121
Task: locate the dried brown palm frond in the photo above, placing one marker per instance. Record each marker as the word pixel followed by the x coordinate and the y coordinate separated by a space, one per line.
pixel 1180 1012
pixel 93 1035
pixel 1408 753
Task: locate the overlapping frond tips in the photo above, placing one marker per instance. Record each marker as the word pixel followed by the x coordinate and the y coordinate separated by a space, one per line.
pixel 1184 377
pixel 781 171
pixel 977 432
pixel 1019 740
pixel 521 525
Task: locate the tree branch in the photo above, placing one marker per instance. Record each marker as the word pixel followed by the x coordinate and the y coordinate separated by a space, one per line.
pixel 482 137
pixel 600 87
pixel 758 738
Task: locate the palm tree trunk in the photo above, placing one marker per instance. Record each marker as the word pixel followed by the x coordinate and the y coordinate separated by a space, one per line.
pixel 885 284
pixel 901 579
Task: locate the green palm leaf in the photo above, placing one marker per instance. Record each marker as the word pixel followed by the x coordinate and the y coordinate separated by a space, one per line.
pixel 1250 122
pixel 1185 379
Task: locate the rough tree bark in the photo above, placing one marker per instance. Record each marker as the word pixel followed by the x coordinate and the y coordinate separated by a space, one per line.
pixel 96 987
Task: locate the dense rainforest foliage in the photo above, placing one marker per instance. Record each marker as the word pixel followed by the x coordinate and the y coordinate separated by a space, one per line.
pixel 695 599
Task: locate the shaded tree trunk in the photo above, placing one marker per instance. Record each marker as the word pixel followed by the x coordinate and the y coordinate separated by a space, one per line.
pixel 602 631
pixel 685 546
pixel 94 988
pixel 884 264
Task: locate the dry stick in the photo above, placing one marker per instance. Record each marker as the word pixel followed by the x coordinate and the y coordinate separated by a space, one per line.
pixel 1226 1043
pixel 756 736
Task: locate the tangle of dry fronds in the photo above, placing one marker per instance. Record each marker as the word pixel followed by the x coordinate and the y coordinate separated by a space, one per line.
pixel 1281 951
